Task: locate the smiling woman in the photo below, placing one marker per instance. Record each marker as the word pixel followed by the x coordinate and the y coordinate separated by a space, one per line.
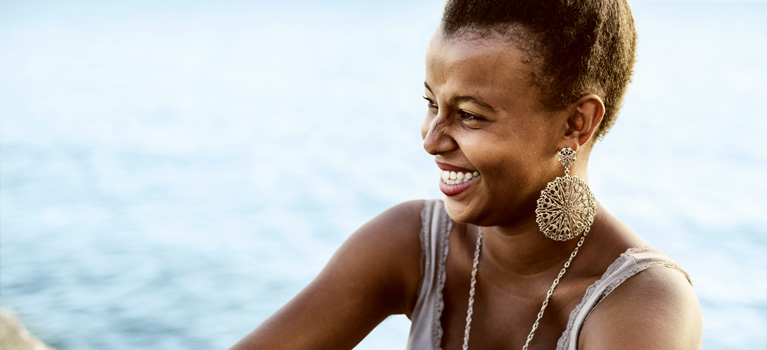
pixel 519 254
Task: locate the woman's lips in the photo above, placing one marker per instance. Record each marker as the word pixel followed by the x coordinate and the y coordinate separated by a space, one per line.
pixel 455 179
pixel 449 167
pixel 453 190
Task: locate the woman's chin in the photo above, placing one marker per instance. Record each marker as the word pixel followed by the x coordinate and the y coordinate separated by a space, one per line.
pixel 460 212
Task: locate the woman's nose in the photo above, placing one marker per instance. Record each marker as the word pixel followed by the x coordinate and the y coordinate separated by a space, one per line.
pixel 436 139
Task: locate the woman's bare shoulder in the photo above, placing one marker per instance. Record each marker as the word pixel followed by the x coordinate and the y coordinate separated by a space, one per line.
pixel 655 309
pixel 375 273
pixel 394 237
pixel 396 228
pixel 403 218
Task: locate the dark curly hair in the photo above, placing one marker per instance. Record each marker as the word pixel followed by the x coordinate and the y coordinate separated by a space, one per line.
pixel 578 46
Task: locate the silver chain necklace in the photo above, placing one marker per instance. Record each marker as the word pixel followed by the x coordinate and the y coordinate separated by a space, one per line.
pixel 474 269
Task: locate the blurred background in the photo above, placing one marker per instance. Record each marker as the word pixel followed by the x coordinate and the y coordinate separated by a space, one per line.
pixel 175 171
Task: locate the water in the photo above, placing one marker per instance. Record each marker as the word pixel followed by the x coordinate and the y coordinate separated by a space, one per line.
pixel 172 173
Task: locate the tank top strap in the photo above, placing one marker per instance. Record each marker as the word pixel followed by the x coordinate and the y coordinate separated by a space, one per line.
pixel 630 263
pixel 425 330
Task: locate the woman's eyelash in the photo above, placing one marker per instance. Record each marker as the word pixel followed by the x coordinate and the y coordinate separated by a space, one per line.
pixel 463 115
pixel 466 116
pixel 429 102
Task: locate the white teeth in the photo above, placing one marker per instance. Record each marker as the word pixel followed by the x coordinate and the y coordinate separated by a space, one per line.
pixel 454 178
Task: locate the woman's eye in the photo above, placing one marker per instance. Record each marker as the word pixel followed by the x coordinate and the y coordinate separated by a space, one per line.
pixel 430 103
pixel 467 117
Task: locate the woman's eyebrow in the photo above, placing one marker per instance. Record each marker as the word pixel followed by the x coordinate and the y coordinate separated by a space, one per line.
pixel 478 101
pixel 465 98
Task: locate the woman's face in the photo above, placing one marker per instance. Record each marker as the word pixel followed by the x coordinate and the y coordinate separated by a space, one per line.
pixel 484 117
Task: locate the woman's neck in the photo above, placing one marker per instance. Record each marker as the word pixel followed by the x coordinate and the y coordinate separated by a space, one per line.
pixel 523 251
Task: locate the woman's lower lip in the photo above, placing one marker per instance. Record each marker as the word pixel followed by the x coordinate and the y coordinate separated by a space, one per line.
pixel 453 190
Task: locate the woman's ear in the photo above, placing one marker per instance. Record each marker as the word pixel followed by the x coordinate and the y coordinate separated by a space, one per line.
pixel 585 116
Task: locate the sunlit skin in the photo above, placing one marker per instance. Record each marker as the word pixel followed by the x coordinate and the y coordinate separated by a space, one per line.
pixel 513 145
pixel 484 115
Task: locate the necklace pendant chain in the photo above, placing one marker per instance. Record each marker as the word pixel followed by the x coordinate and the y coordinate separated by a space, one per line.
pixel 472 289
pixel 470 311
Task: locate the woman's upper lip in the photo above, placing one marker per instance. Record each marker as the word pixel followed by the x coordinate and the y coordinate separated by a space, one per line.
pixel 451 167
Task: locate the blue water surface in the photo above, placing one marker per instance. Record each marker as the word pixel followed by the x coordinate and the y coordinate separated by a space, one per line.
pixel 174 172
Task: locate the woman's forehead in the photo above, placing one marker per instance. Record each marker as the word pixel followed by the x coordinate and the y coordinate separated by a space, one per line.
pixel 491 65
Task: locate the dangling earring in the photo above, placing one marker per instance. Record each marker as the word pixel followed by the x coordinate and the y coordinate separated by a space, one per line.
pixel 566 207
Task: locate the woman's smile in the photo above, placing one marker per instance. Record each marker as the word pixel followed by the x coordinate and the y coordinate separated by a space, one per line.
pixel 454 187
pixel 455 179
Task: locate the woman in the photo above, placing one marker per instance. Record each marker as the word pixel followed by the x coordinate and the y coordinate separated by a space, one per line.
pixel 518 254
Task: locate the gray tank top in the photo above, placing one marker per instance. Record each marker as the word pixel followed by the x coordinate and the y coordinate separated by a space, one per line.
pixel 426 329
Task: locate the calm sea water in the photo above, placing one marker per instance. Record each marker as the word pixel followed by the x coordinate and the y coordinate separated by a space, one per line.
pixel 174 172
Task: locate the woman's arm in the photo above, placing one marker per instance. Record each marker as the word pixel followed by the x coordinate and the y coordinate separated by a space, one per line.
pixel 375 273
pixel 656 309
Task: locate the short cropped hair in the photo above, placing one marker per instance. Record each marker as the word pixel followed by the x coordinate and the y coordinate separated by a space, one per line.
pixel 578 46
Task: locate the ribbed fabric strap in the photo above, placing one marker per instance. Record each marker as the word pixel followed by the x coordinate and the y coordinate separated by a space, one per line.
pixel 426 331
pixel 630 263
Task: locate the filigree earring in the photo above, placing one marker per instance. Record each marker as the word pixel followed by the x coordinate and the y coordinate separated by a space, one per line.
pixel 566 207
